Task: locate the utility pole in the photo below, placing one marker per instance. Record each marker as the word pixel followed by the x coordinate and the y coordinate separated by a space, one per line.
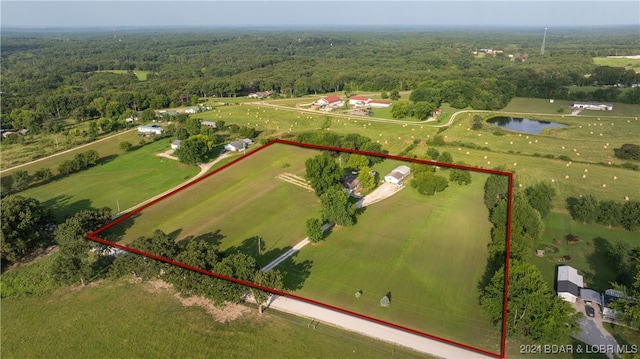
pixel 544 40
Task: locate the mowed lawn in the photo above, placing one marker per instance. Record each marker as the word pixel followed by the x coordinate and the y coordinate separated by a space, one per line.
pixel 125 180
pixel 428 252
pixel 118 319
pixel 236 206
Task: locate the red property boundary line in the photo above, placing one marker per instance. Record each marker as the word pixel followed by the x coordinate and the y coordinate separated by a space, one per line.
pixel 93 236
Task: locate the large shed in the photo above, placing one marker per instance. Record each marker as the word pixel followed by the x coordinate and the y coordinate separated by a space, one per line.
pixel 569 283
pixel 398 174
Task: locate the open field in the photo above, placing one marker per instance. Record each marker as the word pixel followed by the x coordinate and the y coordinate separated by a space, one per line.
pixel 618 62
pixel 402 245
pixel 124 320
pixel 16 154
pixel 126 179
pixel 537 105
pixel 236 206
pixel 589 255
pixel 407 246
pixel 141 75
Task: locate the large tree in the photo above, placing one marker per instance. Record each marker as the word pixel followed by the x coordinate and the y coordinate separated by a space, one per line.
pixel 25 225
pixel 323 173
pixel 314 229
pixel 336 207
pixel 271 279
pixel 534 311
pixel 194 150
pixel 357 161
pixel 428 183
pixel 366 179
pixel 496 188
pixel 540 197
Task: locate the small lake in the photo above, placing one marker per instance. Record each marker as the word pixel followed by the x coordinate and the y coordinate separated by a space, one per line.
pixel 522 124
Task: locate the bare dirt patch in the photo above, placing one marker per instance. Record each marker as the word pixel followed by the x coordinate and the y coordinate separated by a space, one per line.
pixel 229 312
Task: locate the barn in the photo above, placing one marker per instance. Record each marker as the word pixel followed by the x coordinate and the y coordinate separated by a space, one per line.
pixel 397 175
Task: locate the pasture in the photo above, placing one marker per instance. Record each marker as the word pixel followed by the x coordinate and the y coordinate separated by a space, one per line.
pixel 427 252
pixel 120 319
pixel 618 62
pixel 140 75
pixel 236 207
pixel 125 179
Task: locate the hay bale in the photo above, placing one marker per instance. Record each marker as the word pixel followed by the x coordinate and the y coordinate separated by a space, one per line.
pixel 604 185
pixel 584 176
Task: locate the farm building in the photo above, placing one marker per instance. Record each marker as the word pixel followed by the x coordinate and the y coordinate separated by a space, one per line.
pixel 150 129
pixel 397 174
pixel 329 101
pixel 364 101
pixel 609 296
pixel 592 106
pixel 175 144
pixel 209 124
pixel 569 283
pixel 194 109
pixel 262 94
pixel 239 145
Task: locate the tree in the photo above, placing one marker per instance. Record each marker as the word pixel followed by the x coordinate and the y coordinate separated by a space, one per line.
pixel 428 183
pixel 25 225
pixel 534 311
pixel 394 95
pixel 271 279
pixel 314 229
pixel 323 173
pixel 367 179
pixel 433 153
pixel 402 109
pixel 182 134
pixel 630 216
pixel 422 110
pixel 477 122
pixel 43 175
pixel 384 95
pixel 194 150
pixel 540 197
pixel 628 307
pixel 148 115
pixel 445 157
pixel 20 180
pixel 125 146
pixel 357 161
pixel 585 209
pixel 495 189
pixel 461 177
pixel 628 151
pixel 336 207
pixel 193 126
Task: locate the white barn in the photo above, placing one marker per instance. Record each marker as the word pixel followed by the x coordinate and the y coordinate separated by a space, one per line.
pixel 397 174
pixel 175 144
pixel 569 283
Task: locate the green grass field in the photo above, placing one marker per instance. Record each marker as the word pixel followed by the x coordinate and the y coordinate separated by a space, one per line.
pixel 429 253
pixel 141 75
pixel 589 255
pixel 127 179
pixel 124 320
pixel 618 62
pixel 237 205
pixel 45 145
pixel 400 245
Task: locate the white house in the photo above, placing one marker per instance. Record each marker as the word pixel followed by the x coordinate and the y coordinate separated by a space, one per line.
pixel 359 100
pixel 378 104
pixel 569 283
pixel 397 174
pixel 236 146
pixel 329 101
pixel 592 106
pixel 175 144
pixel 150 129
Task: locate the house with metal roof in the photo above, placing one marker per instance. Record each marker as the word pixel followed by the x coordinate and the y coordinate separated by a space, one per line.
pixel 397 175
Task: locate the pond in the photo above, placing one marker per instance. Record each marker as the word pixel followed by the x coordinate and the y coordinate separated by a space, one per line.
pixel 522 124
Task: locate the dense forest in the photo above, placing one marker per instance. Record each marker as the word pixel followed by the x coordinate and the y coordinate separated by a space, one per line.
pixel 58 75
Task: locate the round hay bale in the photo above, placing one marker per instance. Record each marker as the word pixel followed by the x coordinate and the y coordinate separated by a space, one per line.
pixel 584 176
pixel 566 177
pixel 604 185
pixel 615 177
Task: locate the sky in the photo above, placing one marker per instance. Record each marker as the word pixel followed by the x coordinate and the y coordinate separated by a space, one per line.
pixel 521 13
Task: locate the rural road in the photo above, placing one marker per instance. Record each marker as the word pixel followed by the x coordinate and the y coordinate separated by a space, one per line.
pixel 371 329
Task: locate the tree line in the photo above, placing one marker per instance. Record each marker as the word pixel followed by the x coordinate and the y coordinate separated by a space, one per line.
pixel 588 209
